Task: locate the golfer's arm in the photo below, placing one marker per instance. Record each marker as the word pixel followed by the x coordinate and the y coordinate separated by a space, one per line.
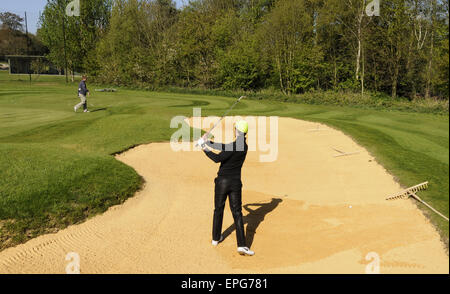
pixel 218 146
pixel 222 156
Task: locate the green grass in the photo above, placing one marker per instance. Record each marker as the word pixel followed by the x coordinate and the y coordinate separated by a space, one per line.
pixel 57 167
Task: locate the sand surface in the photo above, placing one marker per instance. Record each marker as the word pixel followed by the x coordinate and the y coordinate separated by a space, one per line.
pixel 306 212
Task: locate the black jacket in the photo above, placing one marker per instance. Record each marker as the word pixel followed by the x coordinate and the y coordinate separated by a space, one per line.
pixel 231 157
pixel 82 89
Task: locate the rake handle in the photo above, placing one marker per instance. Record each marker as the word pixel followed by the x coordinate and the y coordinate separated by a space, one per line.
pixel 426 204
pixel 346 154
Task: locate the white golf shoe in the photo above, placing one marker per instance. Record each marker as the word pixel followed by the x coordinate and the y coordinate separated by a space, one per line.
pixel 215 243
pixel 245 251
pixel 74 109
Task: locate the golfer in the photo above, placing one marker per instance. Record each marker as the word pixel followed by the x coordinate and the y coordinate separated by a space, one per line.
pixel 228 183
pixel 82 92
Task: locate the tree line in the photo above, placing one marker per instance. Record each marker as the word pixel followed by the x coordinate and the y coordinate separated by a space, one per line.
pixel 292 46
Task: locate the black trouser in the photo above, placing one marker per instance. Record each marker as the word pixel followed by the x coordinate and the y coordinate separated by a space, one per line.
pixel 231 187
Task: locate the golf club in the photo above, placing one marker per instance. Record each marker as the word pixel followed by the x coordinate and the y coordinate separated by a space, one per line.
pixel 225 114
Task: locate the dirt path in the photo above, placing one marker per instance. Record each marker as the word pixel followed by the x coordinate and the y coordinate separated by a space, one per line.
pixel 307 212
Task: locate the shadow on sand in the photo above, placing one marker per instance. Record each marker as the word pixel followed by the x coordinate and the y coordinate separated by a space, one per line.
pixel 254 218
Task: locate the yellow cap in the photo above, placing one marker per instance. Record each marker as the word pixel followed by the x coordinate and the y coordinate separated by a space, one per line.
pixel 242 126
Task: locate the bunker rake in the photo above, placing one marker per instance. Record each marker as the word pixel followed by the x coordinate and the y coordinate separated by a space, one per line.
pixel 411 192
pixel 344 153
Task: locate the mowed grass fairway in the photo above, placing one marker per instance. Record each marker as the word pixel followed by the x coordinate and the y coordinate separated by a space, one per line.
pixel 57 166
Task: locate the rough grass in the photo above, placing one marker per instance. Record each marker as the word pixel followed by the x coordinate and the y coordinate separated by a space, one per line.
pixel 57 167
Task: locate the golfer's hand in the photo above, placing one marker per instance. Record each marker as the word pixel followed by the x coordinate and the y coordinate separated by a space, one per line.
pixel 201 142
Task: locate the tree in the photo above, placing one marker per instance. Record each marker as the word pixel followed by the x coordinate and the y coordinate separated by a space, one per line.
pixel 239 64
pixel 441 73
pixel 11 21
pixel 429 70
pixel 197 40
pixel 286 34
pixel 295 46
pixel 73 38
pixel 134 50
pixel 395 23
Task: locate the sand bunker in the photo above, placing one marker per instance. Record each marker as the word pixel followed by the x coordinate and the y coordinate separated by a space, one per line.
pixel 306 212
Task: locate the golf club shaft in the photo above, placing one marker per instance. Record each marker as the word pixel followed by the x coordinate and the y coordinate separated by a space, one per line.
pixel 225 114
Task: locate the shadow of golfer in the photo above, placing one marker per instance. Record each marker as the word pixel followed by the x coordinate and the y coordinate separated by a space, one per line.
pixel 254 218
pixel 99 109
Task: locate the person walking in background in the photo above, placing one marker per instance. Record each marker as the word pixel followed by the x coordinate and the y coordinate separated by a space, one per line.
pixel 82 92
pixel 228 183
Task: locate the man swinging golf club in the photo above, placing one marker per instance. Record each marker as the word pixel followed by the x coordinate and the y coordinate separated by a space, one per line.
pixel 228 183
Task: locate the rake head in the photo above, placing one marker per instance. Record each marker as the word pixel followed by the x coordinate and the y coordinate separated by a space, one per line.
pixel 406 193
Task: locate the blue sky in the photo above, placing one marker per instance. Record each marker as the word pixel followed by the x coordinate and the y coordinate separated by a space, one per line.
pixel 33 8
